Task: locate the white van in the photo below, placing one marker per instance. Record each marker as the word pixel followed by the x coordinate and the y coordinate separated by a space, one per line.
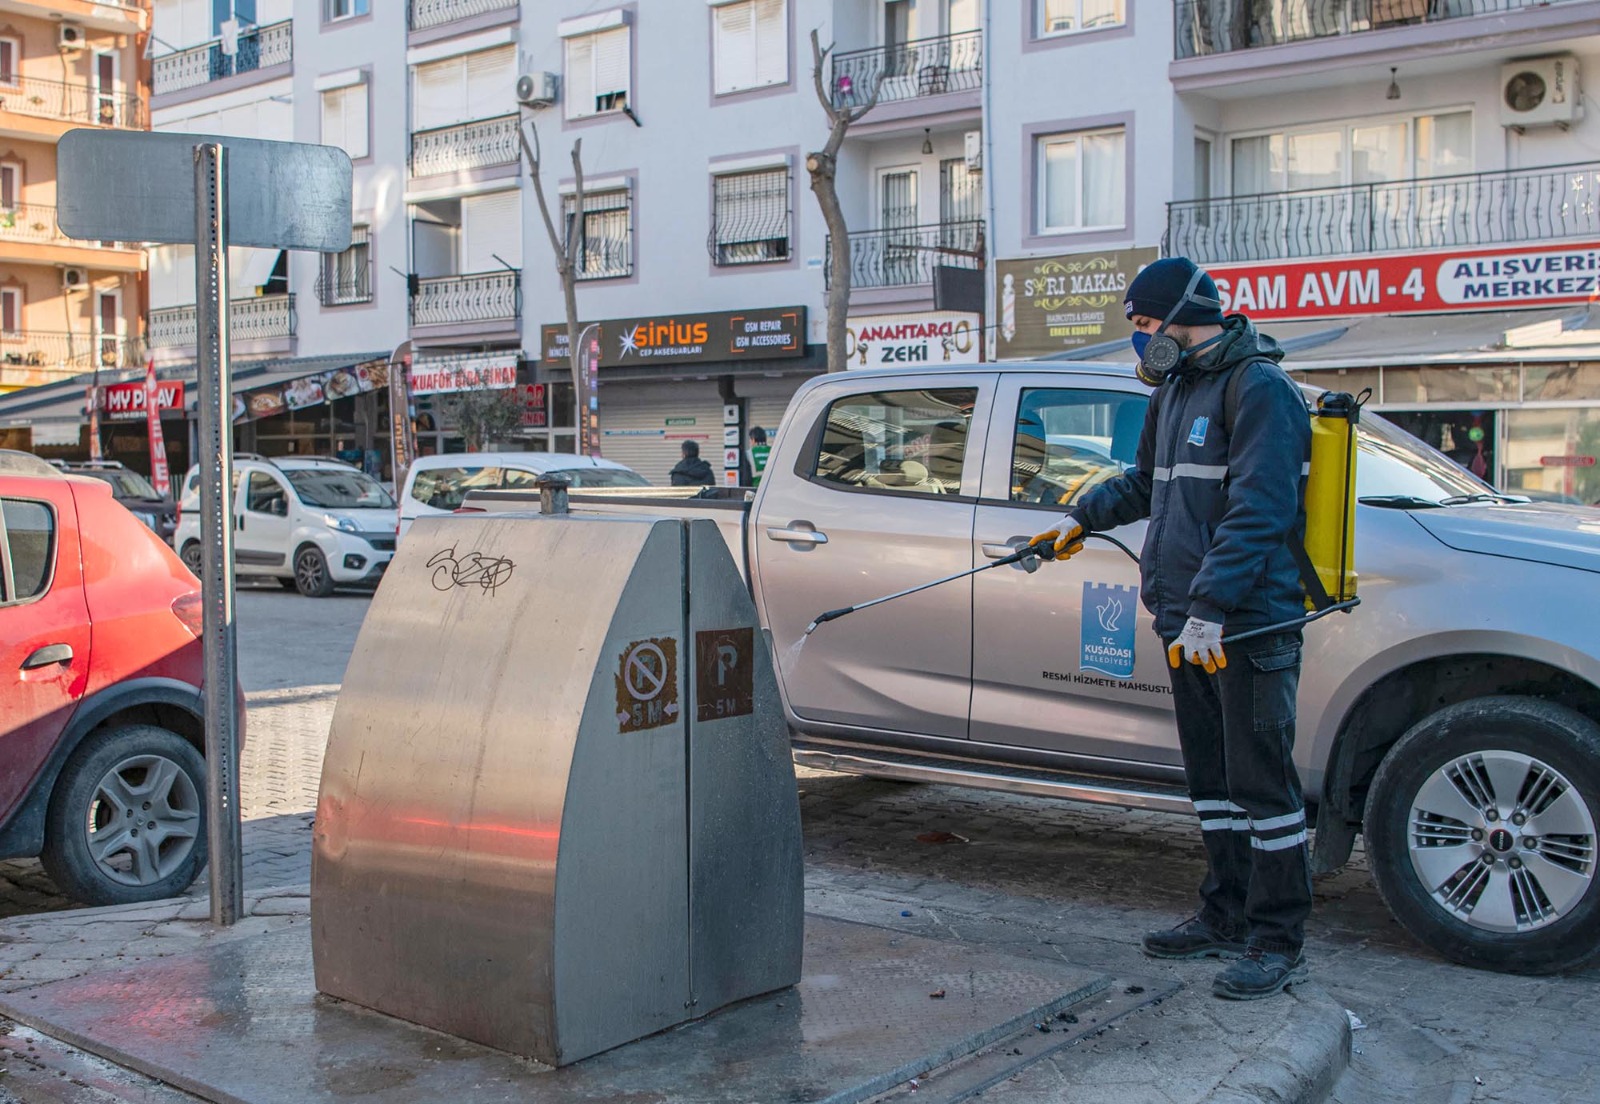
pixel 437 484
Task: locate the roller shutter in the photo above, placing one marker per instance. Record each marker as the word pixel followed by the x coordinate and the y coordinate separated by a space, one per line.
pixel 634 429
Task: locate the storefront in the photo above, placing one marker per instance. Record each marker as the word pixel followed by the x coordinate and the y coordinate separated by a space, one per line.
pixel 706 378
pixel 911 339
pixel 457 400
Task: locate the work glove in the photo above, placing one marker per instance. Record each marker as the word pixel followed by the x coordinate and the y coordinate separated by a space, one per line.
pixel 1200 643
pixel 1067 536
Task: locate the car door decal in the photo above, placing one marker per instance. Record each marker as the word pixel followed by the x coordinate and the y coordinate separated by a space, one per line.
pixel 1109 617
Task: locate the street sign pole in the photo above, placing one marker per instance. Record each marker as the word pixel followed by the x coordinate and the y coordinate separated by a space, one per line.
pixel 219 638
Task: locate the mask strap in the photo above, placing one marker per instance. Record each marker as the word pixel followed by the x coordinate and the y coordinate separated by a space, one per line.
pixel 1184 299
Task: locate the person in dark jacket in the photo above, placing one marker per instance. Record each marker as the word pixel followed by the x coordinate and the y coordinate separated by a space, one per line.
pixel 1224 490
pixel 692 471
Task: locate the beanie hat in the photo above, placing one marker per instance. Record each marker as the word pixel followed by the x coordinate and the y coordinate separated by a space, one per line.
pixel 1157 289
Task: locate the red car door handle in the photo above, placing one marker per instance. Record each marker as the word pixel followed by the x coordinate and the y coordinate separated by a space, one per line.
pixel 48 655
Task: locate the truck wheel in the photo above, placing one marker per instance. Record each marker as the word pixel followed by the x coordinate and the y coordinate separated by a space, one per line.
pixel 1480 826
pixel 191 557
pixel 127 818
pixel 311 576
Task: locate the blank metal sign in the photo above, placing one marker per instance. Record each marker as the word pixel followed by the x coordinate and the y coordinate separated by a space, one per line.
pixel 139 186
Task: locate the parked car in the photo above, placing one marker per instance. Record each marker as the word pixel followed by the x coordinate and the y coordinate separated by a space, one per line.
pixel 437 484
pixel 101 717
pixel 1453 718
pixel 134 491
pixel 312 523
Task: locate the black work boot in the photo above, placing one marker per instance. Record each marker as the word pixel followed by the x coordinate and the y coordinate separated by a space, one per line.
pixel 1193 938
pixel 1259 974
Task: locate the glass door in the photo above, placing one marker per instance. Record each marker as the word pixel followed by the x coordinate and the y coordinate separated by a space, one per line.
pixel 897 219
pixel 960 205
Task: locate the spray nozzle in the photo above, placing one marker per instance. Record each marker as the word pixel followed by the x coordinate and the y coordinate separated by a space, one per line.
pixel 829 616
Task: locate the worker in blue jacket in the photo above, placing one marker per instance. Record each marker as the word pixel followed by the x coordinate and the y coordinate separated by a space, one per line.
pixel 1222 479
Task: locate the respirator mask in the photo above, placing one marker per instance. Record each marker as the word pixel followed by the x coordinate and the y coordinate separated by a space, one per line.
pixel 1159 353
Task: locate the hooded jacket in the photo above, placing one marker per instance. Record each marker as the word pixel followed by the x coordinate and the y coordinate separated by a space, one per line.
pixel 1222 500
pixel 692 471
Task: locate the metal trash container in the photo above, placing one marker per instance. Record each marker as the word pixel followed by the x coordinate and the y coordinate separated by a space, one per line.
pixel 558 809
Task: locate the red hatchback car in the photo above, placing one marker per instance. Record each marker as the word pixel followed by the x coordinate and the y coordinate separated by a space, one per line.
pixel 101 730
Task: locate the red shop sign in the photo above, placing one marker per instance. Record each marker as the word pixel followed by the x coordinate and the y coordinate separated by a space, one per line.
pixel 126 400
pixel 1432 282
pixel 1567 461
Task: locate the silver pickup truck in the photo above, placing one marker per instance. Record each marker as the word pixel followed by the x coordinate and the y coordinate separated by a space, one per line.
pixel 1453 719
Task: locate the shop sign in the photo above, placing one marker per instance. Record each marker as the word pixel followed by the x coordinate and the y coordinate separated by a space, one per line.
pixel 126 401
pixel 1051 305
pixel 1431 282
pixel 534 412
pixel 1567 461
pixel 433 377
pixel 297 394
pixel 669 339
pixel 930 337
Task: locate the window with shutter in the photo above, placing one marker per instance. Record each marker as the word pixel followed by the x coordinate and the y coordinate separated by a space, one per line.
pixel 598 72
pixel 11 312
pixel 772 41
pixel 579 80
pixel 441 95
pixel 752 45
pixel 490 77
pixel 10 50
pixel 605 249
pixel 750 217
pixel 491 232
pixel 344 119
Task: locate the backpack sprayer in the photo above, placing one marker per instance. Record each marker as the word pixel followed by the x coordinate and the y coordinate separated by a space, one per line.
pixel 1325 558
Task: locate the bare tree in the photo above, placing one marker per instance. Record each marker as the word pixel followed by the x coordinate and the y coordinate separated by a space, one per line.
pixel 823 166
pixel 564 247
pixel 487 415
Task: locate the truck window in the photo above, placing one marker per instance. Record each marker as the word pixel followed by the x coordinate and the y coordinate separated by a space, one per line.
pixel 898 441
pixel 28 529
pixel 1068 441
pixel 265 495
pixel 445 488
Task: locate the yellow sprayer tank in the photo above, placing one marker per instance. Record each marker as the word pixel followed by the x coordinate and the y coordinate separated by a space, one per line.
pixel 1331 494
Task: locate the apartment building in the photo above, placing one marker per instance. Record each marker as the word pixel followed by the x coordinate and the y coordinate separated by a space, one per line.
pixel 66 307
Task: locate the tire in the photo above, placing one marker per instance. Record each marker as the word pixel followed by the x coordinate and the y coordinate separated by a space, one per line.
pixel 1534 906
pixel 311 576
pixel 133 774
pixel 191 557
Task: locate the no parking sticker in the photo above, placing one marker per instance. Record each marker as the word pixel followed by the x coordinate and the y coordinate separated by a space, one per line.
pixel 647 684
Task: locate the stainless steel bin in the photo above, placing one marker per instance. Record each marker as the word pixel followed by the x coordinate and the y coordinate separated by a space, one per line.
pixel 558 809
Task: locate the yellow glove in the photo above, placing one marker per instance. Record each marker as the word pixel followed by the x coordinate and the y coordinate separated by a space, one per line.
pixel 1067 536
pixel 1200 643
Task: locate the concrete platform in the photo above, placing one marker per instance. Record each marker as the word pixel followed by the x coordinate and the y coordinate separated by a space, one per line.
pixel 239 1022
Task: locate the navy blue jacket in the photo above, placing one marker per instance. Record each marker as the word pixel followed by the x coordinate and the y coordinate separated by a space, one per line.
pixel 1221 505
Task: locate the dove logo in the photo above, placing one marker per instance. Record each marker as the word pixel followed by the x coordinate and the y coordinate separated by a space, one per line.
pixel 1109 619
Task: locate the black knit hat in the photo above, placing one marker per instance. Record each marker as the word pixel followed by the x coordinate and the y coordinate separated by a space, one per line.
pixel 1157 289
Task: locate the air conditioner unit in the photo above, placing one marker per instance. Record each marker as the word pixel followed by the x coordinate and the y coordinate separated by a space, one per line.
pixel 1540 92
pixel 74 278
pixel 69 36
pixel 973 150
pixel 536 89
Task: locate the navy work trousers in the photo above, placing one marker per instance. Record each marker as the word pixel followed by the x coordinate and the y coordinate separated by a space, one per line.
pixel 1236 729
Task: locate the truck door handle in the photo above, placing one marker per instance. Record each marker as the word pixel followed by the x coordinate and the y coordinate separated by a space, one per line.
pixel 797 536
pixel 48 655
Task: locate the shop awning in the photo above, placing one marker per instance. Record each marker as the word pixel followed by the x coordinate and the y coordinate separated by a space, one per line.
pixel 1489 337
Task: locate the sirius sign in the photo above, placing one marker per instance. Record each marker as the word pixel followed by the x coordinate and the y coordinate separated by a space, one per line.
pixel 670 339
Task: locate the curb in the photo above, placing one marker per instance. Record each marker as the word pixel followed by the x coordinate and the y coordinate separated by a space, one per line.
pixel 1302 1061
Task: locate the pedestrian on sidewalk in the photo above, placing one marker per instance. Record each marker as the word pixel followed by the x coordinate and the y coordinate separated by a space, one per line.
pixel 1220 473
pixel 691 471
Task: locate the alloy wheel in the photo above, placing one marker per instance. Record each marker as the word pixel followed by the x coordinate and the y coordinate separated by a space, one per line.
pixel 143 820
pixel 310 573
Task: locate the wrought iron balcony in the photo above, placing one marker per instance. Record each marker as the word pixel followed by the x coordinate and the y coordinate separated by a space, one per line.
pixel 475 145
pixel 259 48
pixel 909 70
pixel 477 297
pixel 1491 208
pixel 424 14
pixel 70 352
pixel 906 256
pixel 74 102
pixel 255 319
pixel 1205 27
pixel 36 223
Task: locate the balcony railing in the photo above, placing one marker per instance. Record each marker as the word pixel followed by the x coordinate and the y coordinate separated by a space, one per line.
pixel 907 256
pixel 259 318
pixel 70 352
pixel 478 297
pixel 434 13
pixel 1517 205
pixel 77 102
pixel 476 145
pixel 908 70
pixel 36 223
pixel 1205 27
pixel 260 48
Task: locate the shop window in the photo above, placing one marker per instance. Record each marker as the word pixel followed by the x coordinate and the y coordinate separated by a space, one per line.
pixel 909 442
pixel 605 245
pixel 750 46
pixel 1068 442
pixel 344 119
pixel 750 217
pixel 1059 17
pixel 29 531
pixel 598 72
pixel 347 277
pixel 1553 455
pixel 1081 181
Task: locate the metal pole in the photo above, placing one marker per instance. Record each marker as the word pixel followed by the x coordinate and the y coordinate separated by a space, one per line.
pixel 219 639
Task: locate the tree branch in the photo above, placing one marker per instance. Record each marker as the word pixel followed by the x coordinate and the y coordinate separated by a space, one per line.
pixel 532 153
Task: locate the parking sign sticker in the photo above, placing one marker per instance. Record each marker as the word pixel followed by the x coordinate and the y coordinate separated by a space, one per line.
pixel 1109 616
pixel 647 684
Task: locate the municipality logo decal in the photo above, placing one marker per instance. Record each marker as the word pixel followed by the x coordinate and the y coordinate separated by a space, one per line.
pixel 1110 613
pixel 1107 645
pixel 1197 432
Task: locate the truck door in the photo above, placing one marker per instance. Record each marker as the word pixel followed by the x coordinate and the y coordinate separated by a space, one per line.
pixel 877 492
pixel 44 630
pixel 262 539
pixel 1064 659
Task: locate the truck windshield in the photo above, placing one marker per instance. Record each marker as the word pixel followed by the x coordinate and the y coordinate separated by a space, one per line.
pixel 1395 465
pixel 124 484
pixel 337 488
